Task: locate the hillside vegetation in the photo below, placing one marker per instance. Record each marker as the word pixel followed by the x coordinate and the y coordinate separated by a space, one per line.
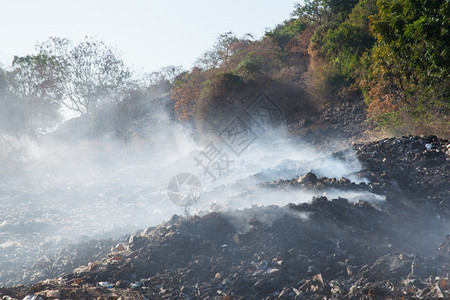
pixel 394 55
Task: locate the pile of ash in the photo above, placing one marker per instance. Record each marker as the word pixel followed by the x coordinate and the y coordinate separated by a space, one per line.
pixel 323 249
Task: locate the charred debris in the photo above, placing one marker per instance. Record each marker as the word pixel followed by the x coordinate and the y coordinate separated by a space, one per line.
pixel 398 248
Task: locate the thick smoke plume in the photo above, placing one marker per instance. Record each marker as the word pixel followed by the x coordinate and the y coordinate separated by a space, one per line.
pixel 70 185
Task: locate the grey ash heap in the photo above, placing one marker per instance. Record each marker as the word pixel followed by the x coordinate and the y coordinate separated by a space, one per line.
pixel 388 240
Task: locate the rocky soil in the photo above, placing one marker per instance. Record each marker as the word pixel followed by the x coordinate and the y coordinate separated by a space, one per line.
pixel 339 122
pixel 397 248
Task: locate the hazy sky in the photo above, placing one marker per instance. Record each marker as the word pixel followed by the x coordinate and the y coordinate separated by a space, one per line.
pixel 149 33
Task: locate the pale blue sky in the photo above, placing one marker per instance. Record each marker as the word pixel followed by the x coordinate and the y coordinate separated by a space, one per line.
pixel 150 34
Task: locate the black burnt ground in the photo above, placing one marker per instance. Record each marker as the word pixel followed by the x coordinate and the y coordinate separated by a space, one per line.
pixel 328 248
pixel 340 121
pixel 415 166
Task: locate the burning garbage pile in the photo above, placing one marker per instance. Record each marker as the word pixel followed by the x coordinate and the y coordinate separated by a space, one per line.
pixel 329 247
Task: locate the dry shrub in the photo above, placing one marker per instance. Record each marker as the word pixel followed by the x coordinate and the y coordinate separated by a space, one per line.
pixel 186 91
pixel 228 96
pixel 298 48
pixel 266 49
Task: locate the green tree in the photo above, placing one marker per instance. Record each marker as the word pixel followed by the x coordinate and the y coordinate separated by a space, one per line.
pixel 251 66
pixel 286 31
pixel 79 76
pixel 30 97
pixel 312 12
pixel 344 47
pixel 319 12
pixel 160 82
pixel 226 45
pixel 409 64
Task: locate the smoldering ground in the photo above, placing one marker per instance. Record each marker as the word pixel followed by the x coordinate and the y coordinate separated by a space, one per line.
pixel 71 185
pixel 64 189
